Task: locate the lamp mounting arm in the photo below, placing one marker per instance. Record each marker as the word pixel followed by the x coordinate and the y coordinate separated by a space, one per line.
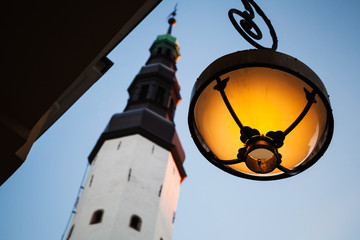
pixel 248 28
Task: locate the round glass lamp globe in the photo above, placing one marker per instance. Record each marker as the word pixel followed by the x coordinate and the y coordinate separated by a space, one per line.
pixel 266 91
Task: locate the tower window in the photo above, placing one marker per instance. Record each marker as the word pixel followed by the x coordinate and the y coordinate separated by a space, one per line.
pixel 143 92
pixel 135 222
pixel 160 92
pixel 158 51
pixel 97 216
pixel 70 232
pixel 171 107
pixel 160 190
pixel 91 180
pixel 129 175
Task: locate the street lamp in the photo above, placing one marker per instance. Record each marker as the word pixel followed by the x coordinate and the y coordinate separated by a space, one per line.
pixel 260 114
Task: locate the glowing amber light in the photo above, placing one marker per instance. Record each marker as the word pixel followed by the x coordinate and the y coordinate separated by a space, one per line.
pixel 265 96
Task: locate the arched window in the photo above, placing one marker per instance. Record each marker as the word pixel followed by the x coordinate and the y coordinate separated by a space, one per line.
pixel 97 216
pixel 135 222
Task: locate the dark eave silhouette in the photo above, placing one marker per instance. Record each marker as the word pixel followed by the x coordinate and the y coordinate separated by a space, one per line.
pixel 52 53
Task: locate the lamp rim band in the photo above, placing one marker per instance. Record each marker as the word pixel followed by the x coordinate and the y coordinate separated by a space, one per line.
pixel 259 58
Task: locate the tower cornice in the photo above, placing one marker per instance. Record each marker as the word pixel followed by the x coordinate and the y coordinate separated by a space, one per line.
pixel 148 124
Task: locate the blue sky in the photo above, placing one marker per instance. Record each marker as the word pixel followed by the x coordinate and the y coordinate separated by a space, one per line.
pixel 321 203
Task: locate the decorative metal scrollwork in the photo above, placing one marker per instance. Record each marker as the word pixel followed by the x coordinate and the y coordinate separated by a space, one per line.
pixel 248 28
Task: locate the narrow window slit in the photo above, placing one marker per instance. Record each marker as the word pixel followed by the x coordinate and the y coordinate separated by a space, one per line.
pixel 70 232
pixel 129 176
pixel 91 180
pixel 160 190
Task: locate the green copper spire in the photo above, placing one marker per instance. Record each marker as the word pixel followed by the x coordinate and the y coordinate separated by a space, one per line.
pixel 156 87
pixel 166 44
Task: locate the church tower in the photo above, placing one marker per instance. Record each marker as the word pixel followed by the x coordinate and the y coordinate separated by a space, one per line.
pixel 136 166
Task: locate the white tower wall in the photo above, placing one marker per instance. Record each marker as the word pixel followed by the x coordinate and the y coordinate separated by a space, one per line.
pixel 129 176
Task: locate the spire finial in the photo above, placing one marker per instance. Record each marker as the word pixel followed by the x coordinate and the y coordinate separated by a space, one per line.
pixel 171 20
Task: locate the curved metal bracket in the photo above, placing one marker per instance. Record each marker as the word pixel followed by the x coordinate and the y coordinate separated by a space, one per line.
pixel 228 162
pixel 287 171
pixel 220 86
pixel 310 97
pixel 248 28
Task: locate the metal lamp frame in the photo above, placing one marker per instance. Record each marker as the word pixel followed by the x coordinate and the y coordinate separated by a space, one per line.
pixel 268 59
